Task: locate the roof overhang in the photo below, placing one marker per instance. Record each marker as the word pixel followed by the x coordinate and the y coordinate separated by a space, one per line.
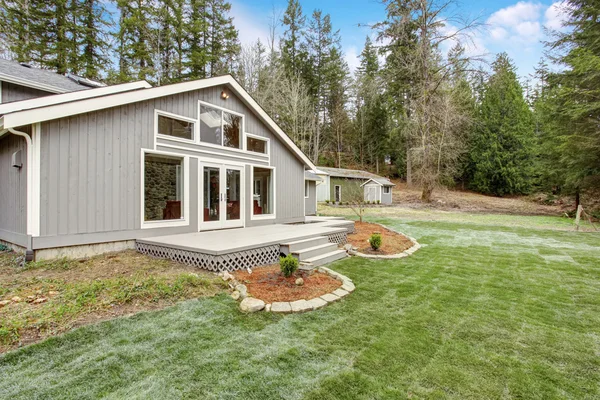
pixel 377 182
pixel 32 84
pixel 68 97
pixel 100 102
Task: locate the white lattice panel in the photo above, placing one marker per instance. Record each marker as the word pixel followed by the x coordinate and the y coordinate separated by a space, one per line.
pixel 338 238
pixel 226 262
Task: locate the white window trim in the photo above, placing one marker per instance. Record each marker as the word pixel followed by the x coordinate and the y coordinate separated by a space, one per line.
pixel 334 186
pixel 185 221
pixel 274 201
pixel 195 131
pixel 264 139
pixel 221 146
pixel 306 189
pixel 388 188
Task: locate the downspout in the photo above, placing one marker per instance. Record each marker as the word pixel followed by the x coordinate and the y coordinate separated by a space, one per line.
pixel 29 250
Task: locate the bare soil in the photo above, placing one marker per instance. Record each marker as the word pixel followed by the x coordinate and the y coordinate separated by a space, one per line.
pixel 464 200
pixel 268 284
pixel 391 243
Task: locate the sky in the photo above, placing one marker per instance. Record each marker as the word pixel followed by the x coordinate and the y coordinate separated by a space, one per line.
pixel 516 27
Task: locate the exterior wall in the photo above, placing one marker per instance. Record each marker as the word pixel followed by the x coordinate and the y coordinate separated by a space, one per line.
pixel 13 195
pixel 91 170
pixel 12 92
pixel 310 202
pixel 349 186
pixel 323 189
pixel 386 198
pixel 375 189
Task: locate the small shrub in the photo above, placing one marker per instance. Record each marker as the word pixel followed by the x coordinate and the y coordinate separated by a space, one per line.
pixel 326 201
pixel 375 241
pixel 288 265
pixel 378 201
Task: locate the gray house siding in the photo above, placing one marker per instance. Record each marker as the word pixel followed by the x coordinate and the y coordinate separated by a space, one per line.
pixel 310 202
pixel 386 198
pixel 91 170
pixel 12 92
pixel 13 196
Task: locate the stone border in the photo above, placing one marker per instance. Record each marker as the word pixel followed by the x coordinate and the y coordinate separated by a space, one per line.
pixel 416 246
pixel 251 304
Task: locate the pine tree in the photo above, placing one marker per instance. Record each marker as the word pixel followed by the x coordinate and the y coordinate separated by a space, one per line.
pixel 293 51
pixel 198 54
pixel 502 151
pixel 90 54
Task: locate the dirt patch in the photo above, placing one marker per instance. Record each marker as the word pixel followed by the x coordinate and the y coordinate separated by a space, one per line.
pixel 392 242
pixel 269 284
pixel 50 297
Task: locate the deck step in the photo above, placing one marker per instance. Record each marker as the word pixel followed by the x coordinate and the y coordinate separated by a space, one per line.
pixel 291 247
pixel 311 252
pixel 323 259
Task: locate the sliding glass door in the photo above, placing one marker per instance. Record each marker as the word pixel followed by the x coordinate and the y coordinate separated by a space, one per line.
pixel 222 195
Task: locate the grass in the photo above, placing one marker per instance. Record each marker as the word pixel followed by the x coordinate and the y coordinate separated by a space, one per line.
pixel 75 292
pixel 481 311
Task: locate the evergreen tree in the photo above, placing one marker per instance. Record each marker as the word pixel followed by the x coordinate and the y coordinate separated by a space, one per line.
pixel 293 50
pixel 502 150
pixel 198 55
pixel 89 57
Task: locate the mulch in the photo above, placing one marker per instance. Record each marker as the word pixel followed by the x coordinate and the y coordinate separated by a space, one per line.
pixel 268 284
pixel 392 242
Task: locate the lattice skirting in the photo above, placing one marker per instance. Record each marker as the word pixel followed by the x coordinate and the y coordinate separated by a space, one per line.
pixel 338 238
pixel 225 262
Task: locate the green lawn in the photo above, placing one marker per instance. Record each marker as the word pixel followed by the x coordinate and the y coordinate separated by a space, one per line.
pixel 481 311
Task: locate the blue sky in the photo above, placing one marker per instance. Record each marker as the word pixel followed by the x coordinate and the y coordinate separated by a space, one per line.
pixel 516 27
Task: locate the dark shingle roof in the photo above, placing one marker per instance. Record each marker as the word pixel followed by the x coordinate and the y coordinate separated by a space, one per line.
pixel 44 77
pixel 355 174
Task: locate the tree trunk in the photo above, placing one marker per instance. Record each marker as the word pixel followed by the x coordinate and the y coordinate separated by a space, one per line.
pixel 408 167
pixel 427 191
pixel 577 198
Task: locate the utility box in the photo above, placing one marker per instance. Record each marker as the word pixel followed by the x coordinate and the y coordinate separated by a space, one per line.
pixel 17 161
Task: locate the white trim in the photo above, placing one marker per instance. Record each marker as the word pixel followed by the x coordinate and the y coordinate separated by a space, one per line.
pixel 306 189
pixel 29 178
pixel 35 85
pixel 37 173
pixel 93 104
pixel 264 139
pixel 157 135
pixel 71 96
pixel 185 221
pixel 222 109
pixel 201 152
pixel 388 188
pixel 273 213
pixel 222 223
pixel 0 92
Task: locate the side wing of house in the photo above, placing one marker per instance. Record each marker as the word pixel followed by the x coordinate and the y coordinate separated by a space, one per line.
pixel 386 195
pixel 10 92
pixel 310 197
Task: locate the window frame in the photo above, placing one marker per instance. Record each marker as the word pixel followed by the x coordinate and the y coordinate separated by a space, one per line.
pixel 273 213
pixel 264 139
pixel 306 188
pixel 222 110
pixel 195 130
pixel 389 190
pixel 185 221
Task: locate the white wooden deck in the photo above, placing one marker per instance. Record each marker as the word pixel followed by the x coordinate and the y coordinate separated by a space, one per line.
pixel 240 239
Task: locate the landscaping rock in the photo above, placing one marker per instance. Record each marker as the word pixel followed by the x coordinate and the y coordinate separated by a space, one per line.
pixel 16 299
pixel 235 295
pixel 4 303
pixel 317 303
pixel 299 282
pixel 52 293
pixel 330 297
pixel 40 300
pixel 268 308
pixel 281 307
pixel 348 287
pixel 243 290
pixel 340 293
pixel 250 304
pixel 299 306
pixel 227 276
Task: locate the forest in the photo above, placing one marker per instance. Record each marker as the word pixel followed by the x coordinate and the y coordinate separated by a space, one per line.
pixel 411 110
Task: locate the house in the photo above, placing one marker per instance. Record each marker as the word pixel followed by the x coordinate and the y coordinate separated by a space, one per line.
pixel 341 185
pixel 311 180
pixel 101 167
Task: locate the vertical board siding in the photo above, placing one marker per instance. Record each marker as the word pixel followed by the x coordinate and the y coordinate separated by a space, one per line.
pixel 12 92
pixel 310 203
pixel 91 165
pixel 13 181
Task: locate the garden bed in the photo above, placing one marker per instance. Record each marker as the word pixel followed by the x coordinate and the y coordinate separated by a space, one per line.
pixel 392 242
pixel 268 284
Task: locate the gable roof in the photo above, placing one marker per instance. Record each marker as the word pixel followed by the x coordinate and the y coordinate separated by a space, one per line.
pixel 96 99
pixel 311 176
pixel 43 79
pixel 355 174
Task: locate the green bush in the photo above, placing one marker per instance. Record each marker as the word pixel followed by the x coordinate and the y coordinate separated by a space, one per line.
pixel 326 201
pixel 375 241
pixel 288 265
pixel 378 201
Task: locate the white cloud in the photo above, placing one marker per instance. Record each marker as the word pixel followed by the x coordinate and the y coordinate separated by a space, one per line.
pixel 513 15
pixel 529 30
pixel 555 15
pixel 352 58
pixel 251 24
pixel 498 33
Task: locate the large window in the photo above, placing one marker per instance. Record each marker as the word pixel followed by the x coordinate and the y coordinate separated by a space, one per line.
pixel 175 127
pixel 163 187
pixel 256 145
pixel 220 127
pixel 263 191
